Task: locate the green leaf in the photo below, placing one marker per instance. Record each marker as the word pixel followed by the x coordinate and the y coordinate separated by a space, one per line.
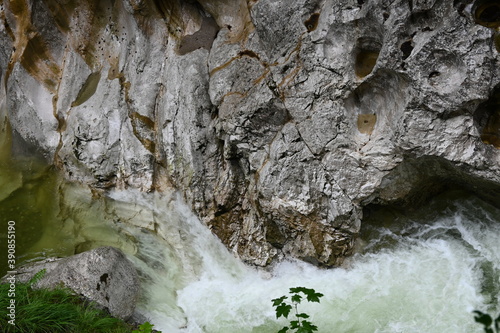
pixel 483 318
pixel 283 330
pixel 146 327
pixel 309 325
pixel 283 310
pixel 497 324
pixel 314 296
pixel 296 298
pixel 278 301
pixel 37 277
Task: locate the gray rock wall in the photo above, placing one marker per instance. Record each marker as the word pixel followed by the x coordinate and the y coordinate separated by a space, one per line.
pixel 278 120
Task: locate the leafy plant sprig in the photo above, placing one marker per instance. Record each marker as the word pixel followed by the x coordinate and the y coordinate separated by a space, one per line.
pixel 487 321
pixel 145 328
pixel 282 308
pixel 37 277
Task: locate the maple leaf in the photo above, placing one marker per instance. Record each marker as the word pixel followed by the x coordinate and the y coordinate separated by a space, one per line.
pixel 283 310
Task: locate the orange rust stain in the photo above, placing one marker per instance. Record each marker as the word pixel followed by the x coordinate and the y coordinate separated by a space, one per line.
pixel 244 53
pixel 61 13
pixel 290 77
pixel 262 77
pixel 39 63
pixel 221 67
pixel 31 50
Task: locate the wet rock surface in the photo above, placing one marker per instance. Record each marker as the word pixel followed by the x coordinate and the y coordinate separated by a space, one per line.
pixel 277 120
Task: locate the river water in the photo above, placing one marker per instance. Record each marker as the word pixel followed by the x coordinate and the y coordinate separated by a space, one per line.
pixel 423 270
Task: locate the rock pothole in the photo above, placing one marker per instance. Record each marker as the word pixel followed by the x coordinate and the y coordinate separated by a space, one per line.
pixel 487 13
pixel 312 22
pixel 366 54
pixel 357 43
pixel 378 102
pixel 448 72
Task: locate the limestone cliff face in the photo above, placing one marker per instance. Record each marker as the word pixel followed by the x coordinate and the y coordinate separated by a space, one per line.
pixel 279 120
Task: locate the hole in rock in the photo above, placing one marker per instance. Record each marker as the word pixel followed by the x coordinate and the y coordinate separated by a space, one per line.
pixel 460 5
pixel 487 119
pixel 104 278
pixel 448 71
pixel 433 74
pixel 415 181
pixel 452 215
pixel 381 98
pixel 487 13
pixel 434 78
pixel 367 52
pixel 249 53
pixel 312 22
pixel 203 38
pixel 406 48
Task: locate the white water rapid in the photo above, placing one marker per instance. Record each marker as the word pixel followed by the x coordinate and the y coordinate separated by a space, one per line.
pixel 420 271
pixel 423 274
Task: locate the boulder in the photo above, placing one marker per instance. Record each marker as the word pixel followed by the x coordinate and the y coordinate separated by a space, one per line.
pixel 103 275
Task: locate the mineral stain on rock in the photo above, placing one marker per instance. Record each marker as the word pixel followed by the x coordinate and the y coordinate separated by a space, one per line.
pixel 366 123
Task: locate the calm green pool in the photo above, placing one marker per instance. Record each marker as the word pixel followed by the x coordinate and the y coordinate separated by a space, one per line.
pixel 53 218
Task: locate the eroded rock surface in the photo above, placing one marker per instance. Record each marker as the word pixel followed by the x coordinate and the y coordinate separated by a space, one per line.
pixel 278 120
pixel 103 275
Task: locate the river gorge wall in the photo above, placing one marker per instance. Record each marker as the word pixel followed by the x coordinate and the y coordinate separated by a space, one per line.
pixel 277 120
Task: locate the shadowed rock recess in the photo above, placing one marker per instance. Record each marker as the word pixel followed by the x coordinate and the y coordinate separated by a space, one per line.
pixel 278 120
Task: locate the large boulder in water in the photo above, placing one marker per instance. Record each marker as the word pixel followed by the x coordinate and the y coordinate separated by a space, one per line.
pixel 103 275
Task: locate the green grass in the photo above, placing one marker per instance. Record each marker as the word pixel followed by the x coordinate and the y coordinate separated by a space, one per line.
pixel 53 311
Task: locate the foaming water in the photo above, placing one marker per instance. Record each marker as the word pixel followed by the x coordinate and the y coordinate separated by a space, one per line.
pixel 422 271
pixel 415 274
